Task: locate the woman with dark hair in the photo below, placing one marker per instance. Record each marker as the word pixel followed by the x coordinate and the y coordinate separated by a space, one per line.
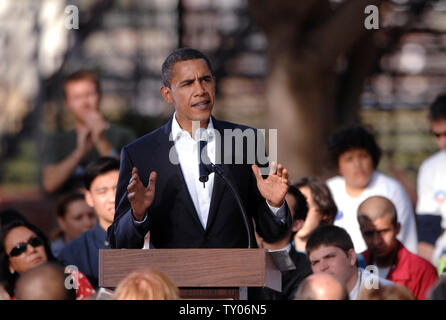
pixel 355 154
pixel 23 247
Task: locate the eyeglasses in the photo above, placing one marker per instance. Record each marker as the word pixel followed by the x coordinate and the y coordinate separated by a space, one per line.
pixel 439 134
pixel 21 247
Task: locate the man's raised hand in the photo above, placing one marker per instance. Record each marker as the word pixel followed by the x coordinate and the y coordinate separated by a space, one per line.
pixel 275 187
pixel 140 197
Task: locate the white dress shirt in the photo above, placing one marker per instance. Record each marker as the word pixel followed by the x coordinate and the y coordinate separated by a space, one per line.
pixel 187 149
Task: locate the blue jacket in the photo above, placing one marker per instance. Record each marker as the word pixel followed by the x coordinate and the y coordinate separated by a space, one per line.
pixel 83 252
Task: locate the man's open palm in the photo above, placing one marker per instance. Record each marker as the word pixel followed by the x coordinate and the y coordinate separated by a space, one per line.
pixel 275 187
pixel 141 197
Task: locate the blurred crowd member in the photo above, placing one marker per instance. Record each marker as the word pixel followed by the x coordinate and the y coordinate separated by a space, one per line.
pixel 438 291
pixel 439 255
pixel 377 217
pixel 44 282
pixel 322 209
pixel 390 292
pixel 66 154
pixel 9 215
pixel 74 217
pixel 23 247
pixel 291 279
pixel 356 155
pixel 321 286
pixel 431 185
pixel 147 284
pixel 100 180
pixel 330 250
pixel 3 293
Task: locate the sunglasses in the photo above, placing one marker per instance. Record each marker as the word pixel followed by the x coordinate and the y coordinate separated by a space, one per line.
pixel 21 247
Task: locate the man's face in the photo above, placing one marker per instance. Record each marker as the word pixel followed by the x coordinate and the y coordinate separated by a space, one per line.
pixel 380 235
pixel 438 128
pixel 79 217
pixel 334 261
pixel 356 166
pixel 101 197
pixel 81 98
pixel 192 91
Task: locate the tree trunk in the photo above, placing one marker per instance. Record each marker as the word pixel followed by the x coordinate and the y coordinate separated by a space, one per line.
pixel 306 40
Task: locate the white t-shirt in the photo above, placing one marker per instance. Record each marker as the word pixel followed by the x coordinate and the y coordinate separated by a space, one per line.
pixel 431 186
pixel 380 185
pixel 369 280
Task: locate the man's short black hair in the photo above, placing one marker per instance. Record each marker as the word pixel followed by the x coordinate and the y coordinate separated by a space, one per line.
pixel 181 54
pixel 301 207
pixel 437 109
pixel 82 75
pixel 98 167
pixel 329 236
pixel 322 198
pixel 353 137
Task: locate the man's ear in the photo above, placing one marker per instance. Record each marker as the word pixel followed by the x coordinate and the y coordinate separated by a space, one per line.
pixel 167 94
pixel 397 228
pixel 297 225
pixel 89 198
pixel 352 257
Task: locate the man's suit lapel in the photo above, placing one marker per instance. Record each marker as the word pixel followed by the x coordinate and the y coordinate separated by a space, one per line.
pixel 219 183
pixel 166 147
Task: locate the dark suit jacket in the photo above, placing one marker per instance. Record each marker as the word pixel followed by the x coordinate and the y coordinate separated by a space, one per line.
pixel 172 219
pixel 291 280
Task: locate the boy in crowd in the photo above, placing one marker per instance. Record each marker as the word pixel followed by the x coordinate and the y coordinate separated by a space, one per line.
pixel 377 219
pixel 431 187
pixel 101 178
pixel 330 250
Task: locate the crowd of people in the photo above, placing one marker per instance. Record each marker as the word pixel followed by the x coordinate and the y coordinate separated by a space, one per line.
pixel 355 236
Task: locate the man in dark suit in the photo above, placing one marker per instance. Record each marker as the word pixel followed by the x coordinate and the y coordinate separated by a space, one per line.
pixel 183 212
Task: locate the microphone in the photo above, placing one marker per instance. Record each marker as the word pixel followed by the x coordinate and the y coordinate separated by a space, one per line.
pixel 203 159
pixel 202 169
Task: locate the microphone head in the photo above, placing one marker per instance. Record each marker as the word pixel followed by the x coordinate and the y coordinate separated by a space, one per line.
pixel 204 178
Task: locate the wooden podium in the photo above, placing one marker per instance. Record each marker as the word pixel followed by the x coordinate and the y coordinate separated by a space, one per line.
pixel 199 273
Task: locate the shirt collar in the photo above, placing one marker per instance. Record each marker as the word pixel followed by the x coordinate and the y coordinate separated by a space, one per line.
pixel 178 132
pixel 100 234
pixel 287 248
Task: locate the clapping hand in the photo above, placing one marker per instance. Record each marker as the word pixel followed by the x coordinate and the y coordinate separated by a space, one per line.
pixel 97 124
